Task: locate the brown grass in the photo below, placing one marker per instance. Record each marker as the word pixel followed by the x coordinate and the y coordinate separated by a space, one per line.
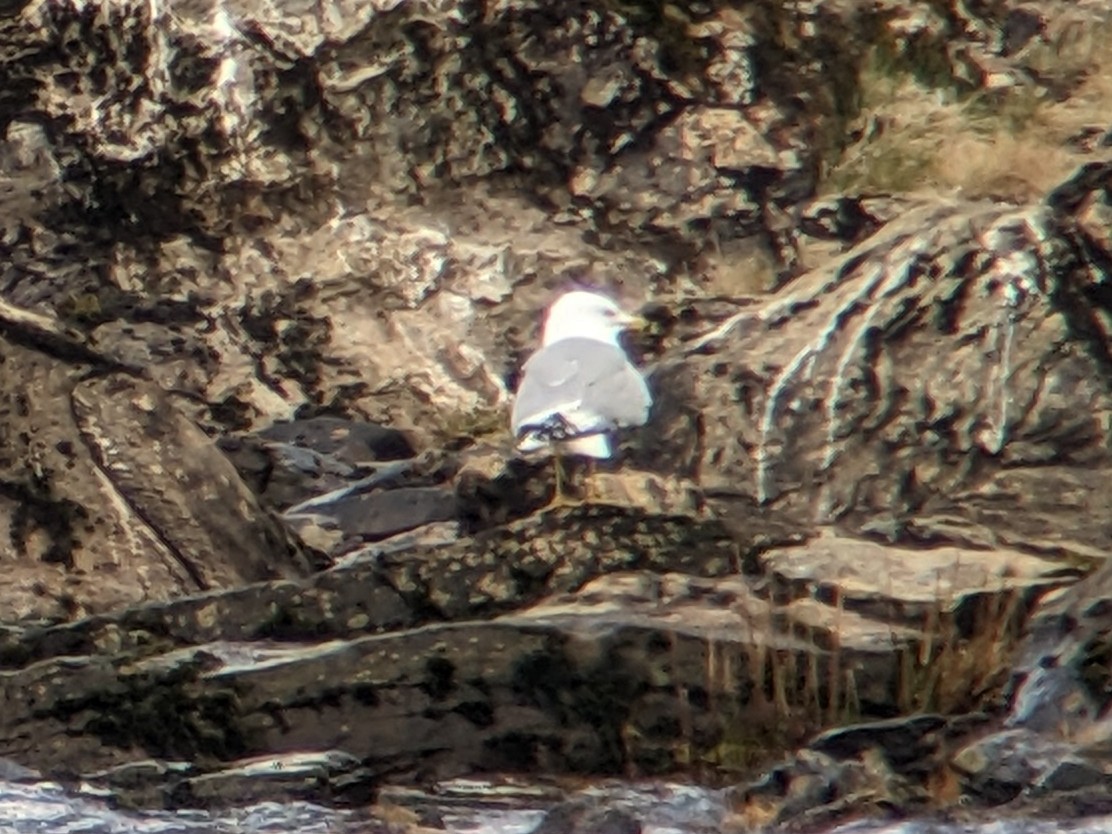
pixel 955 673
pixel 959 663
pixel 1010 144
pixel 1002 166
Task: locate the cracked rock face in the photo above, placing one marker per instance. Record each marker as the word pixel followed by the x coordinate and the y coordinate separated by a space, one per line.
pixel 112 495
pixel 270 267
pixel 953 361
pixel 360 206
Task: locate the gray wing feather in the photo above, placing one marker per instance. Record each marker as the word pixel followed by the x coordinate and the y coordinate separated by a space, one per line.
pixel 591 384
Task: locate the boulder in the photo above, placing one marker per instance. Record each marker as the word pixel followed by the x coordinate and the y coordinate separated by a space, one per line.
pixel 268 269
pixel 111 496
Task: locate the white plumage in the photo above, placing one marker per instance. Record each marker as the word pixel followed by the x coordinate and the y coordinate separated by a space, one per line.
pixel 580 385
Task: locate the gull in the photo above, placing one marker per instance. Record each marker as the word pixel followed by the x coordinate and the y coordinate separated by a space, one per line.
pixel 580 385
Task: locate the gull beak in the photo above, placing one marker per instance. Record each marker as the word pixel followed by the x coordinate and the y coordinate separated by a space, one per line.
pixel 637 324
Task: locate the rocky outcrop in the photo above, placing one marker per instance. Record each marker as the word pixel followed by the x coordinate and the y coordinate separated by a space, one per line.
pixel 953 363
pixel 433 662
pixel 111 496
pixel 267 280
pixel 360 208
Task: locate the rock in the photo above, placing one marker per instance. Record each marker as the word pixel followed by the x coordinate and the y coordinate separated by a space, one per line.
pixel 300 480
pixel 897 738
pixel 326 777
pixel 1073 774
pixel 542 805
pixel 580 818
pixel 892 768
pixel 607 651
pixel 1059 686
pixel 1051 698
pixel 382 514
pixel 14 772
pixel 111 496
pixel 999 767
pixel 815 790
pixel 844 572
pixel 342 439
pixel 306 259
pixel 886 391
pixel 470 799
pixel 320 239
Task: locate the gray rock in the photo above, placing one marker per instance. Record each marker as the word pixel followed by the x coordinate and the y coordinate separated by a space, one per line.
pixel 330 776
pixel 583 817
pixel 382 514
pixel 342 439
pixel 1000 766
pixel 850 495
pixel 14 772
pixel 111 495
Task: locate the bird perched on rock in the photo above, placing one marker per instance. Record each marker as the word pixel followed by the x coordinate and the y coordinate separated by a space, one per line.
pixel 580 385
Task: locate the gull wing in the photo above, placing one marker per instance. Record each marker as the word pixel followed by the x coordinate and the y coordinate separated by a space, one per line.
pixel 577 387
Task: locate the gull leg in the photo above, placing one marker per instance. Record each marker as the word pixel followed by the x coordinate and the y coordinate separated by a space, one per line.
pixel 589 491
pixel 561 498
pixel 558 469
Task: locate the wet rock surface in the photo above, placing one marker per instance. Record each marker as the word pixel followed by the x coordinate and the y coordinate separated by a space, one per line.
pixel 268 276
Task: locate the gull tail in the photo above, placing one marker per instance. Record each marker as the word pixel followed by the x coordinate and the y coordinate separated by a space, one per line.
pixel 591 446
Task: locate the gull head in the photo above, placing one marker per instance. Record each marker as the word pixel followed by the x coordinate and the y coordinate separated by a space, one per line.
pixel 586 315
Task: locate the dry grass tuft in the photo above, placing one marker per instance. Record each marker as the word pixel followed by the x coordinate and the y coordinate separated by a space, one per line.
pixel 1013 144
pixel 957 669
pixel 1002 166
pixel 771 699
pixel 896 138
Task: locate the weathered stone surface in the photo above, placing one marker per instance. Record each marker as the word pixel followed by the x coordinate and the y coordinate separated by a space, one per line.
pixel 335 207
pixel 111 495
pixel 912 388
pixel 342 439
pixel 844 571
pixel 398 510
pixel 816 790
pixel 626 658
pixel 330 776
pixel 277 226
pixel 580 817
pixel 495 572
pixel 1028 769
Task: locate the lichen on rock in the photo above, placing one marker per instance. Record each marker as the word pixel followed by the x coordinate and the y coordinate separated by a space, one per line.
pixel 269 273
